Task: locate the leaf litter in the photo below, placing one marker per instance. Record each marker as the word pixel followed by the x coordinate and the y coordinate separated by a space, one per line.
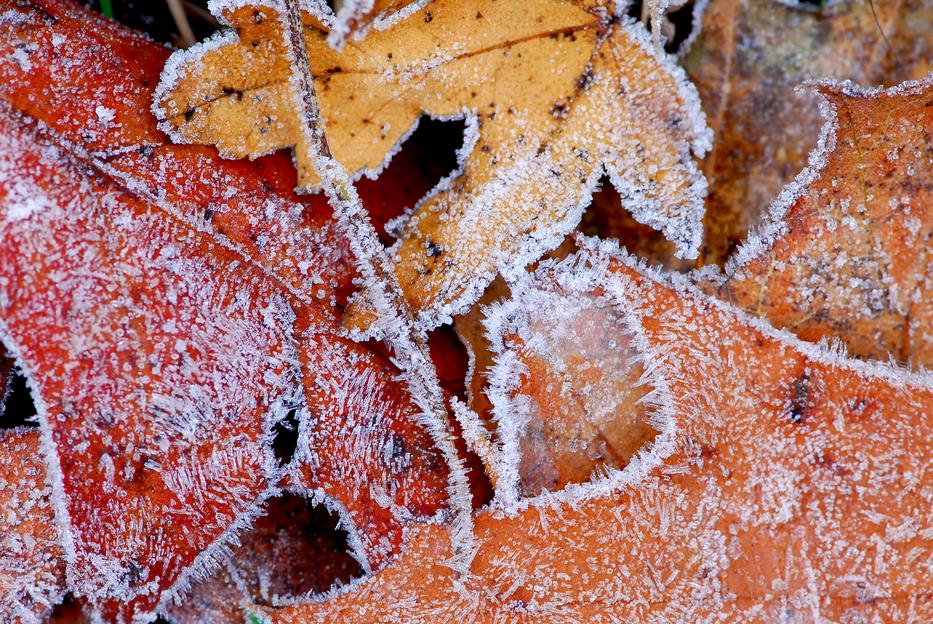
pixel 141 161
pixel 779 464
pixel 536 145
pixel 752 475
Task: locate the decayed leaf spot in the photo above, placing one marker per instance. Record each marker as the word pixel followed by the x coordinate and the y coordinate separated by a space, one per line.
pixel 293 550
pixel 846 252
pixel 746 62
pixel 566 390
pixel 787 464
pixel 32 568
pixel 556 93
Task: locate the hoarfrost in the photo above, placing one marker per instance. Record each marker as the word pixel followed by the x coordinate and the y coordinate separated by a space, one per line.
pixel 83 291
pixel 32 565
pixel 607 102
pixel 754 509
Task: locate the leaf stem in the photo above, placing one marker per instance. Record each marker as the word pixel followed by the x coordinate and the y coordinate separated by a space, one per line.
pixel 408 342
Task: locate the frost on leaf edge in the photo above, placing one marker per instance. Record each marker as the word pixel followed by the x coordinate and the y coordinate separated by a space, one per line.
pixel 762 239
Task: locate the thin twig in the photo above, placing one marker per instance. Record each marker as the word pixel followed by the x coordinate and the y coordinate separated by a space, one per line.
pixel 408 342
pixel 181 22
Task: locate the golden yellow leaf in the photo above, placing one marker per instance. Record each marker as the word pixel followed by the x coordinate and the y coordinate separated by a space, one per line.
pixel 555 94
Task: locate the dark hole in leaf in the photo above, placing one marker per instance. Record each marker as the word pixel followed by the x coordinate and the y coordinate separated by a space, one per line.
pixel 285 437
pixel 426 157
pixel 683 21
pixel 68 611
pixel 17 408
pixel 679 24
pixel 292 549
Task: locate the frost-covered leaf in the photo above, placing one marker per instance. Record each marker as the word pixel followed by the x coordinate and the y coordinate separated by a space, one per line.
pixel 91 81
pixel 365 446
pixel 789 484
pixel 292 550
pixel 556 94
pixel 746 61
pixel 355 17
pixel 32 568
pixel 103 164
pixel 159 376
pixel 846 252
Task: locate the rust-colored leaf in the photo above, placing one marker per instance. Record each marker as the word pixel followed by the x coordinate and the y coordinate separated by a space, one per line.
pixel 125 243
pixel 556 94
pixel 780 465
pixel 746 63
pixel 32 569
pixel 158 377
pixel 846 252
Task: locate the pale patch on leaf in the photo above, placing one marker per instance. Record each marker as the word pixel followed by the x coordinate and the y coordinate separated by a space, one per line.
pixel 567 390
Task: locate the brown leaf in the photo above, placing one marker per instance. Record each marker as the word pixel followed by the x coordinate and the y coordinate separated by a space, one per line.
pixel 780 465
pixel 555 93
pixel 32 569
pixel 747 60
pixel 846 252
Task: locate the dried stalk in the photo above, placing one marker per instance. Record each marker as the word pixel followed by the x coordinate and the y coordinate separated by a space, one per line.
pixel 408 342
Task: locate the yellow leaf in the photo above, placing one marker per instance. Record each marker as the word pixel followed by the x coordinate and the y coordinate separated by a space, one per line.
pixel 555 94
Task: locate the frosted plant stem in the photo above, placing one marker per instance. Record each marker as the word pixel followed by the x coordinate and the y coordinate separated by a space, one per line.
pixel 409 343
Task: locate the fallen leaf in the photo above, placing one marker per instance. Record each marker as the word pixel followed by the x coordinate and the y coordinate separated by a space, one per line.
pixel 779 466
pixel 845 252
pixel 32 569
pixel 85 59
pixel 159 378
pixel 746 61
pixel 555 95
